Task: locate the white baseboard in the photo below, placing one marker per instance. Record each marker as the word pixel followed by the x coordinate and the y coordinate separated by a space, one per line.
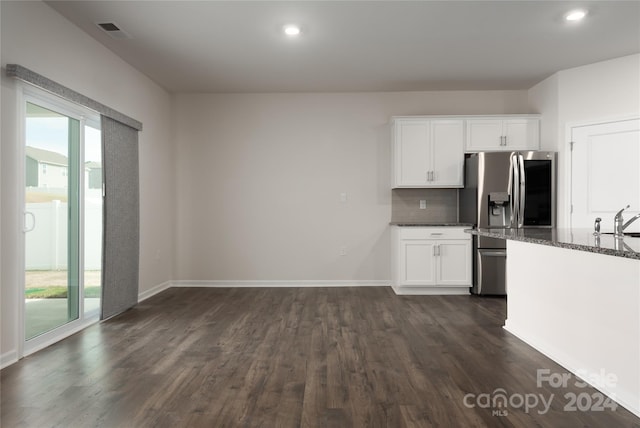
pixel 257 283
pixel 286 283
pixel 154 290
pixel 431 291
pixel 8 358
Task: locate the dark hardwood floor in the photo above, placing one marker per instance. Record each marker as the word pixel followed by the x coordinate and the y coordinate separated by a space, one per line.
pixel 290 357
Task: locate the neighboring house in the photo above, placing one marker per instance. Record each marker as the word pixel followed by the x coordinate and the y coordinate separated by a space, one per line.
pixel 93 175
pixel 49 170
pixel 46 169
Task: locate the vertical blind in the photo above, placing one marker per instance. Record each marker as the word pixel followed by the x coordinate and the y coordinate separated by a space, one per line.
pixel 121 218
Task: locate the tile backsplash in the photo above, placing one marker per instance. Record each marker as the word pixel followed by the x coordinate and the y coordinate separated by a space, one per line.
pixel 441 206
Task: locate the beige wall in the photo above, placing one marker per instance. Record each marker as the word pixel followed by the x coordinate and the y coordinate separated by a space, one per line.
pixel 544 99
pixel 603 90
pixel 589 94
pixel 63 53
pixel 259 179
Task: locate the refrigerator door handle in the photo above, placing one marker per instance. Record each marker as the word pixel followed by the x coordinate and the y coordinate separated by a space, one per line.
pixel 513 190
pixel 522 191
pixel 495 253
pixel 510 189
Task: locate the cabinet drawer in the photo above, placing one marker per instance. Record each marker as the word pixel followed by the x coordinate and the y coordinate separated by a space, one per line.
pixel 433 233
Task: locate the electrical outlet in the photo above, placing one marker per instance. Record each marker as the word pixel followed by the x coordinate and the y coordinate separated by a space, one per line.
pixel 343 251
pixel 343 197
pixel 423 204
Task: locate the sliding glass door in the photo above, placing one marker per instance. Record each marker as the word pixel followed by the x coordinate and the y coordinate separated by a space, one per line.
pixel 63 218
pixel 92 219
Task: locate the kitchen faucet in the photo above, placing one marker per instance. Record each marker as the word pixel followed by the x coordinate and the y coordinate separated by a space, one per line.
pixel 618 226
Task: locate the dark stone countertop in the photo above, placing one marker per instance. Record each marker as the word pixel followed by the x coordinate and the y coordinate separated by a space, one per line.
pixel 573 239
pixel 424 224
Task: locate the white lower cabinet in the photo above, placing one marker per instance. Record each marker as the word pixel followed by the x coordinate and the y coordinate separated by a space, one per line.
pixel 431 260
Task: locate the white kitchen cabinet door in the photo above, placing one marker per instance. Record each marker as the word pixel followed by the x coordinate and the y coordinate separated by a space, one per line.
pixel 484 134
pixel 503 134
pixel 428 153
pixel 412 153
pixel 417 264
pixel 453 262
pixel 447 141
pixel 521 134
pixel 605 173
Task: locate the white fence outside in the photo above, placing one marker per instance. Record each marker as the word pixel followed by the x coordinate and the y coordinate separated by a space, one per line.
pixel 46 244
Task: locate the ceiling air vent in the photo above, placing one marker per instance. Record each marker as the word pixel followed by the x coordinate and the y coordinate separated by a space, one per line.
pixel 113 30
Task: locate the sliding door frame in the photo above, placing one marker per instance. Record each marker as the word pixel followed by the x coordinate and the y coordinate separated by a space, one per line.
pixel 28 93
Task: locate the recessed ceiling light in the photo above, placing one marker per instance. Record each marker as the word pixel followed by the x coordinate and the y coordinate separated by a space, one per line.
pixel 576 15
pixel 291 30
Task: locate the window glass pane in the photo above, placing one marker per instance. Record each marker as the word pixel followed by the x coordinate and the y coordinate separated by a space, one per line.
pixel 49 282
pixel 92 219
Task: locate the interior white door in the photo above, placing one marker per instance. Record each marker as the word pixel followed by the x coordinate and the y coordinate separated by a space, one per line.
pixel 605 173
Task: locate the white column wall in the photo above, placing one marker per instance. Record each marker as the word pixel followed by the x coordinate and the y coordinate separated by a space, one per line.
pixel 583 313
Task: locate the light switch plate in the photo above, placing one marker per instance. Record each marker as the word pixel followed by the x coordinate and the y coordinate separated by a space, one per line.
pixel 423 204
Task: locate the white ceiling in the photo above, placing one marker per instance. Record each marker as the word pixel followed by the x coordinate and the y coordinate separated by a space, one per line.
pixel 237 46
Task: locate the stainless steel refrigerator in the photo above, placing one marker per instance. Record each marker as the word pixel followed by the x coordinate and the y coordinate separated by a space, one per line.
pixel 505 190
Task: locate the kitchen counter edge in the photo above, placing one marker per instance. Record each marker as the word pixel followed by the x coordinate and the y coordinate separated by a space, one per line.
pixel 573 239
pixel 419 224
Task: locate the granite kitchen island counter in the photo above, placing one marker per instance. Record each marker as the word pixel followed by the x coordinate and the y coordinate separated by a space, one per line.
pixel 428 224
pixel 572 239
pixel 576 299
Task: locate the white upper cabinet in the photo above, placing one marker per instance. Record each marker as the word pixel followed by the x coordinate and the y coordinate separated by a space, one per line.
pixel 428 152
pixel 411 152
pixel 503 133
pixel 447 141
